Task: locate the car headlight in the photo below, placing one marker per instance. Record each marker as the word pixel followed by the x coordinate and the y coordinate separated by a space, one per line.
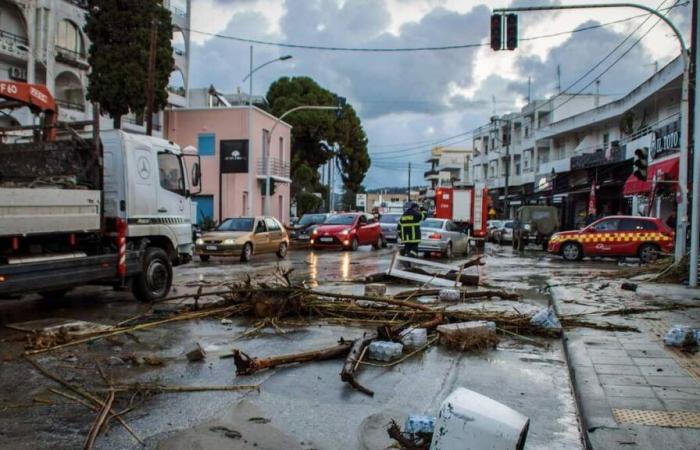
pixel 199 241
pixel 344 232
pixel 315 232
pixel 229 241
pixel 526 227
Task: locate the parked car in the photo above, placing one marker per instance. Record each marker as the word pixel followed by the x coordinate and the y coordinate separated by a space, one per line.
pixel 442 236
pixel 504 232
pixel 390 226
pixel 633 236
pixel 491 227
pixel 348 231
pixel 302 230
pixel 244 237
pixel 534 223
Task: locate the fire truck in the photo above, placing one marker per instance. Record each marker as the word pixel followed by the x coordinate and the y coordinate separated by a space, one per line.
pixel 466 205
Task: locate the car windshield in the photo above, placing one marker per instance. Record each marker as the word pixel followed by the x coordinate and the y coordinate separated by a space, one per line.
pixel 508 225
pixel 430 223
pixel 343 219
pixel 308 219
pixel 236 225
pixel 390 218
pixel 537 215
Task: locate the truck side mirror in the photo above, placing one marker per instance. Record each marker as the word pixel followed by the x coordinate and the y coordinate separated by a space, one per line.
pixel 196 174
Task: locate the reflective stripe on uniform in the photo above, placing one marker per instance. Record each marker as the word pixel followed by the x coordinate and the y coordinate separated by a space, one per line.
pixel 409 229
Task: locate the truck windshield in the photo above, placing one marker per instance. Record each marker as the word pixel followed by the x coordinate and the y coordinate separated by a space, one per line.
pixel 340 220
pixel 236 225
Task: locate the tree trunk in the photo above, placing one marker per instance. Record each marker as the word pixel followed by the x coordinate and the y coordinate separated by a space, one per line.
pixel 351 362
pixel 245 365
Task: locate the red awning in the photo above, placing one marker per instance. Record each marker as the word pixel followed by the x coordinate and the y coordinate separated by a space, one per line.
pixel 634 185
pixel 666 170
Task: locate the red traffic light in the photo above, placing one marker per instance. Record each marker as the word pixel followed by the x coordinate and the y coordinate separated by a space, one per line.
pixel 497 31
pixel 511 31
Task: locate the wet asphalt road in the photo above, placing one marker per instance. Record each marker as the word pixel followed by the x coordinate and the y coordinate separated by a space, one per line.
pixel 308 402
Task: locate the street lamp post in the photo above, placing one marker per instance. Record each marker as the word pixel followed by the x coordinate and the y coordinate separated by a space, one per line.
pixel 251 150
pixel 682 221
pixel 269 140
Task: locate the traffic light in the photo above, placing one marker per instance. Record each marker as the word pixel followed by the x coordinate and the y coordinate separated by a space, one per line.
pixel 340 106
pixel 511 31
pixel 640 163
pixel 496 31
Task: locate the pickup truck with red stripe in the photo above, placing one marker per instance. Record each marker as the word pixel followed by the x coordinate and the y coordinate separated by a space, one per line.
pixel 615 236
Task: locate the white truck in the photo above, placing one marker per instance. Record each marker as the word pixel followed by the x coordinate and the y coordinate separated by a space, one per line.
pixel 73 213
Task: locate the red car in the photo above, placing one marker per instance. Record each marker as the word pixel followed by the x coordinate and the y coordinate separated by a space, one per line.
pixel 348 231
pixel 642 237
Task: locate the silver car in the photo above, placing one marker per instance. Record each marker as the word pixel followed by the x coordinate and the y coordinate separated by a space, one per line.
pixel 390 226
pixel 504 232
pixel 442 236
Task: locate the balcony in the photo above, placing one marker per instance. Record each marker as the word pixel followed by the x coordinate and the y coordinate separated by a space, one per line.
pixel 277 168
pixel 139 123
pixel 70 105
pixel 72 58
pixel 14 45
pixel 431 174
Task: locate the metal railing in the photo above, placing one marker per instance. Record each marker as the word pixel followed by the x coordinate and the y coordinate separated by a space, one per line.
pixel 140 123
pixel 177 11
pixel 14 38
pixel 70 105
pixel 277 167
pixel 177 90
pixel 429 173
pixel 69 56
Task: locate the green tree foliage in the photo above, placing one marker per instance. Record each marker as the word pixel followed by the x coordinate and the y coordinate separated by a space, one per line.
pixel 119 33
pixel 314 132
pixel 307 203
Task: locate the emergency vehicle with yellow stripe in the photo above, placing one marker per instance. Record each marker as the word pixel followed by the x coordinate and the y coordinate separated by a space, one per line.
pixel 615 236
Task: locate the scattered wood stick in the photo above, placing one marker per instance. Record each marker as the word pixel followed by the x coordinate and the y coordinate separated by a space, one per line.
pixel 245 365
pixel 99 421
pixel 347 374
pixel 166 388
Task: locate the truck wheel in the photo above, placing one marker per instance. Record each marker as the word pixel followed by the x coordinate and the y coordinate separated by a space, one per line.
pixel 571 251
pixel 282 251
pixel 55 294
pixel 648 253
pixel 247 252
pixel 204 258
pixel 154 282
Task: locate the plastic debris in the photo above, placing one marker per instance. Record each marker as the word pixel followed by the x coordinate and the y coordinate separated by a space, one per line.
pixel 226 322
pixel 681 336
pixel 385 350
pixel 419 424
pixel 375 290
pixel 449 295
pixel 546 318
pixel 414 337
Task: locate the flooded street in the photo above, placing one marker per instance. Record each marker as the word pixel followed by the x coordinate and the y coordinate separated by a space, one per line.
pixel 302 404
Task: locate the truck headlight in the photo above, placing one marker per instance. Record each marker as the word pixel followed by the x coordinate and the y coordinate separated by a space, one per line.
pixel 229 241
pixel 199 241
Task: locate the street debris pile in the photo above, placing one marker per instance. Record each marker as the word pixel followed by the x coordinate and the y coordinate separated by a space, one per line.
pixel 395 328
pixel 683 336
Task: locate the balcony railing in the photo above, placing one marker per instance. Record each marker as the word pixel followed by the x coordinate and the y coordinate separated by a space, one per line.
pixel 177 11
pixel 14 44
pixel 68 56
pixel 140 123
pixel 70 105
pixel 276 166
pixel 430 173
pixel 177 90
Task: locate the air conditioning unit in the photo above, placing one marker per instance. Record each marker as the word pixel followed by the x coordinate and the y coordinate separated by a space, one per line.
pixel 18 73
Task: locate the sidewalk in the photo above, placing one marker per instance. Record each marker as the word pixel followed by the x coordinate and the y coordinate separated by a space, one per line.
pixel 631 390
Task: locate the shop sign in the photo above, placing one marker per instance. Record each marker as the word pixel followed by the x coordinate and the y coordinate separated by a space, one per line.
pixel 665 141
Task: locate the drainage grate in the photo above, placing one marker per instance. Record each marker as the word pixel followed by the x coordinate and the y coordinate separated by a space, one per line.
pixel 671 419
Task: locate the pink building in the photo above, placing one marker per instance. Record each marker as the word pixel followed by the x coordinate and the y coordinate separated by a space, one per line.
pixel 223 131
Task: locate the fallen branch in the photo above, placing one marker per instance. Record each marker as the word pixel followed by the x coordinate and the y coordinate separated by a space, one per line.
pixel 348 372
pixel 245 365
pixel 464 294
pixel 99 421
pixel 406 443
pixel 165 388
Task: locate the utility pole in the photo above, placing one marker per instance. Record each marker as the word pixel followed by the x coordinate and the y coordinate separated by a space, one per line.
pixel 695 207
pixel 150 84
pixel 251 147
pixel 506 205
pixel 409 181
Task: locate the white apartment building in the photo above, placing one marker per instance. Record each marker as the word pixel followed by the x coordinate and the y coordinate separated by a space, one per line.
pixel 448 165
pixel 555 149
pixel 42 41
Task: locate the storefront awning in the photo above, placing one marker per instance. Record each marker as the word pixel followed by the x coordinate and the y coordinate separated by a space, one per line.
pixel 666 170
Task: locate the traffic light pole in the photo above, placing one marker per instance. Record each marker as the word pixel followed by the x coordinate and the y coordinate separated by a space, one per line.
pixel 695 210
pixel 682 220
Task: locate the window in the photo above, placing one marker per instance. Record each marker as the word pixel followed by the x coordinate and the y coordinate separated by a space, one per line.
pixel 607 225
pixel 68 37
pixel 272 224
pixel 637 225
pixel 527 131
pixel 433 223
pixel 266 144
pixel 281 149
pixel 260 227
pixel 363 220
pixel 170 171
pixel 606 140
pixel 206 144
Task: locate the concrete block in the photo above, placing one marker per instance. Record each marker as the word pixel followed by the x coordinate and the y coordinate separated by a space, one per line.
pixel 375 290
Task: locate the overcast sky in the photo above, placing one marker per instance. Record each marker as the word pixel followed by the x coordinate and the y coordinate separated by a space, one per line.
pixel 409 101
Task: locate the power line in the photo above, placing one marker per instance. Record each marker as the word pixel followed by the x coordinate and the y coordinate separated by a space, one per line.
pixel 422 147
pixel 404 49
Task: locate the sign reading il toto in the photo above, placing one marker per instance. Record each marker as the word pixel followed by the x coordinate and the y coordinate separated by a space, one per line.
pixel 234 156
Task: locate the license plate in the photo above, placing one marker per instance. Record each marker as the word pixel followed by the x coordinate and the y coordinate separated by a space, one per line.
pixel 326 239
pixel 303 236
pixel 211 247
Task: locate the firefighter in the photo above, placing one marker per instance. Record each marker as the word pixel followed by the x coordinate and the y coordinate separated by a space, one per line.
pixel 423 214
pixel 409 230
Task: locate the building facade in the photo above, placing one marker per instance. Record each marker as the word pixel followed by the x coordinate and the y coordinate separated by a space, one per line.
pixel 220 135
pixel 448 166
pixel 552 152
pixel 42 41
